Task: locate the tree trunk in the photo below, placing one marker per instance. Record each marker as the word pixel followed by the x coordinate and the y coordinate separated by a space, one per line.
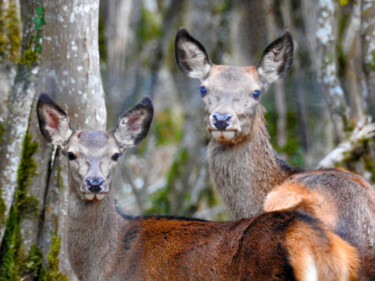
pixel 118 33
pixel 298 77
pixel 9 51
pixel 354 73
pixel 70 74
pixel 17 123
pixel 368 51
pixel 321 28
pixel 280 102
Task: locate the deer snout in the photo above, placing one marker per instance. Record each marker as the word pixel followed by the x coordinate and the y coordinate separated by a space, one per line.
pixel 96 187
pixel 221 121
pixel 95 184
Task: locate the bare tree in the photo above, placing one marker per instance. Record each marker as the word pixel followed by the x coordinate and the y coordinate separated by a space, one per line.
pixel 69 72
pixel 321 29
pixel 18 118
pixel 280 101
pixel 368 51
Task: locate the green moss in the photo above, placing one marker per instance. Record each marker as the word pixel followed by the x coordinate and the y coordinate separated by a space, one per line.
pixel 29 57
pixel 52 272
pixel 32 54
pixel 103 52
pixel 2 210
pixel 372 64
pixel 2 125
pixel 10 262
pixel 32 265
pixel 10 40
pixel 59 180
pixel 27 204
pixel 9 247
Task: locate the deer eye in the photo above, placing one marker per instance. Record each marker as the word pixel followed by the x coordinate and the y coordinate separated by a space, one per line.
pixel 203 91
pixel 256 94
pixel 71 156
pixel 115 156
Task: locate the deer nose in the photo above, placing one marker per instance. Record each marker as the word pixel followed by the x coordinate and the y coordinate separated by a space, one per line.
pixel 95 184
pixel 221 120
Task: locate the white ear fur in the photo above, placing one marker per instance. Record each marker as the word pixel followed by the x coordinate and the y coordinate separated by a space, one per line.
pixel 53 121
pixel 191 56
pixel 196 60
pixel 59 131
pixel 133 125
pixel 276 60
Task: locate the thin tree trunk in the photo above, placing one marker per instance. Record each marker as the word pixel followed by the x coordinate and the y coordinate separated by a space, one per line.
pixel 118 34
pixel 280 102
pixel 352 51
pixel 368 52
pixel 10 36
pixel 286 13
pixel 17 123
pixel 326 35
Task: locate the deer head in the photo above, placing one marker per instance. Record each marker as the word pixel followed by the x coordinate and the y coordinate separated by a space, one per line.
pixel 93 154
pixel 231 94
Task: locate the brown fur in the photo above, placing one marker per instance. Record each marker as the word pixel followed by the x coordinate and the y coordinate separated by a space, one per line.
pixel 103 245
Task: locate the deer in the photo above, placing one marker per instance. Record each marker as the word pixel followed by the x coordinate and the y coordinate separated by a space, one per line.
pixel 249 175
pixel 104 244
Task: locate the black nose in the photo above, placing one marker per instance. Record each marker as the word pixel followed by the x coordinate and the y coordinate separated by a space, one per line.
pixel 94 184
pixel 221 120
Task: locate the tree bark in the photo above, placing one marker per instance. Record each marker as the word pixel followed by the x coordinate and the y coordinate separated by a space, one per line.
pixel 368 52
pixel 298 76
pixel 354 73
pixel 17 122
pixel 280 102
pixel 10 35
pixel 322 35
pixel 70 74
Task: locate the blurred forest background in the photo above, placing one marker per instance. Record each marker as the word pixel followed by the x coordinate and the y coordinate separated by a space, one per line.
pixel 78 50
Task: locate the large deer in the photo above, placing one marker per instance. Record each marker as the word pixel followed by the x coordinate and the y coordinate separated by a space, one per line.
pixel 104 245
pixel 244 166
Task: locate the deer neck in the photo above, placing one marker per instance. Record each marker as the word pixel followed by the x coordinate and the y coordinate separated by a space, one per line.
pixel 93 235
pixel 246 172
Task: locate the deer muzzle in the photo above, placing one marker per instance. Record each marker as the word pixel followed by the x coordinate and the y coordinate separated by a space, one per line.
pixel 223 127
pixel 95 188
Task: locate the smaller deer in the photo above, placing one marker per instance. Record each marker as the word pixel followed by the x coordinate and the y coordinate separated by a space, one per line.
pixel 243 163
pixel 104 245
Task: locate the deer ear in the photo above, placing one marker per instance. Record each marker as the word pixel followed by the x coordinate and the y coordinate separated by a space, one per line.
pixel 276 60
pixel 53 121
pixel 133 125
pixel 191 56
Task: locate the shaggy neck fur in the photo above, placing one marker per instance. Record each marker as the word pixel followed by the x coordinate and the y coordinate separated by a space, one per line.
pixel 92 236
pixel 246 172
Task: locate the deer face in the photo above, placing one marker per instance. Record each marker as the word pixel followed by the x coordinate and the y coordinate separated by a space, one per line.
pixel 93 154
pixel 231 95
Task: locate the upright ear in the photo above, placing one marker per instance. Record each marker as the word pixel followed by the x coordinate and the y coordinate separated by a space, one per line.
pixel 191 56
pixel 276 60
pixel 133 125
pixel 53 121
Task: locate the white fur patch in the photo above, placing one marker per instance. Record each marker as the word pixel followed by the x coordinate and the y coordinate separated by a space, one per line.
pixel 196 59
pixel 100 196
pixel 128 128
pixel 311 270
pixel 223 135
pixel 89 196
